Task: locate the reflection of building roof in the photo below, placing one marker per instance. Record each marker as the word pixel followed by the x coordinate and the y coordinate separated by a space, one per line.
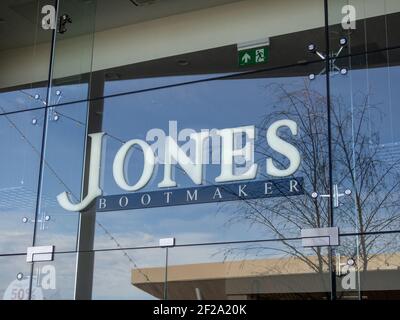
pixel 286 278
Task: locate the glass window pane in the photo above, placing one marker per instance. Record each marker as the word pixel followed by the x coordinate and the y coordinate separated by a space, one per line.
pixel 250 271
pixel 20 140
pixel 367 25
pixel 55 280
pixel 365 142
pixel 62 171
pixel 24 55
pixel 73 51
pixel 125 274
pixel 258 100
pixel 15 278
pixel 368 266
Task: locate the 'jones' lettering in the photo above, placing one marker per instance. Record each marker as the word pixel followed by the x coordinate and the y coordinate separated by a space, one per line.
pixel 194 170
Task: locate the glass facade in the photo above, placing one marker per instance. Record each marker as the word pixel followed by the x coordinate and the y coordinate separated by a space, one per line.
pixel 327 71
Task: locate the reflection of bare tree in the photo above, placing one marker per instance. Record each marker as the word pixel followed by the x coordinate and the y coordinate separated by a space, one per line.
pixel 357 165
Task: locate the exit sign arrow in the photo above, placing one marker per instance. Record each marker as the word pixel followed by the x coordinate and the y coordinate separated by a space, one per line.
pixel 246 58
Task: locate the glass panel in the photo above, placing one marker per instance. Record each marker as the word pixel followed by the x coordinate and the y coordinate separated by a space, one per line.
pixel 118 274
pixel 129 274
pixel 15 278
pixel 55 280
pixel 63 169
pixel 365 140
pixel 73 51
pixel 367 24
pixel 368 267
pixel 251 271
pixel 259 100
pixel 24 55
pixel 21 140
pixel 348 263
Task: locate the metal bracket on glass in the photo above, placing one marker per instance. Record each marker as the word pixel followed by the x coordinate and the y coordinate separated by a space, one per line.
pixel 53 116
pixel 312 48
pixel 38 254
pixel 336 195
pixel 43 221
pixel 167 242
pixel 320 237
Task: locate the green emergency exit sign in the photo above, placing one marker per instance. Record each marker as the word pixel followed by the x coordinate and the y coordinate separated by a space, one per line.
pixel 253 56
